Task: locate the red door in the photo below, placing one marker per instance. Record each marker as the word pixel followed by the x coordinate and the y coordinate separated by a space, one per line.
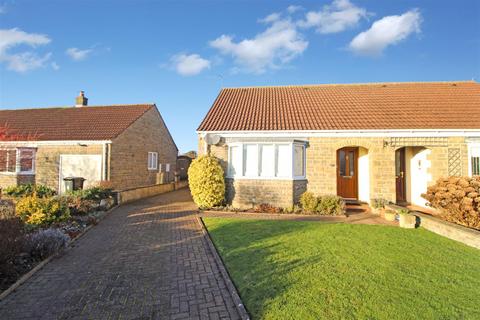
pixel 400 176
pixel 347 173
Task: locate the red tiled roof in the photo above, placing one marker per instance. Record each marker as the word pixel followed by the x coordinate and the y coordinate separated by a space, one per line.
pixel 71 123
pixel 419 105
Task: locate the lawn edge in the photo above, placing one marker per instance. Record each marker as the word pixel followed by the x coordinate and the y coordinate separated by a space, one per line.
pixel 44 262
pixel 224 272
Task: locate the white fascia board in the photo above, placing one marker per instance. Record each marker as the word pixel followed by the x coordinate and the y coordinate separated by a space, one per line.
pixel 349 133
pixel 35 144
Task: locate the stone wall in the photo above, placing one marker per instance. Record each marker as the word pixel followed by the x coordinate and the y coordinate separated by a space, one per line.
pixel 246 193
pixel 129 153
pixel 7 179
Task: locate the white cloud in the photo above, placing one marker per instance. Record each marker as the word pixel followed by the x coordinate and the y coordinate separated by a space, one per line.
pixel 293 8
pixel 276 46
pixel 271 18
pixel 337 17
pixel 22 61
pixel 78 54
pixel 55 66
pixel 189 65
pixel 385 32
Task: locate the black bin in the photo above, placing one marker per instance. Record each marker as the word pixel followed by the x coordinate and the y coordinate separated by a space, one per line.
pixel 73 183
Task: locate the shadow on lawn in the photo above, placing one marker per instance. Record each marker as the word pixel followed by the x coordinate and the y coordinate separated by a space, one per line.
pixel 254 259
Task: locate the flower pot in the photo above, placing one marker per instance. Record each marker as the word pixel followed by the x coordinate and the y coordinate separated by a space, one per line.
pixel 408 221
pixel 390 215
pixel 377 211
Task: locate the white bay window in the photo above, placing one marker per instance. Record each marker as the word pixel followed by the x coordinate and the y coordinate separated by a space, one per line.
pixel 266 160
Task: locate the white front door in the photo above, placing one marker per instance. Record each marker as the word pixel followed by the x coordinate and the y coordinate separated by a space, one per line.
pixel 86 166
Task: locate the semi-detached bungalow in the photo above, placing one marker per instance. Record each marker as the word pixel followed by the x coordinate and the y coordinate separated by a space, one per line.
pixel 358 141
pixel 127 145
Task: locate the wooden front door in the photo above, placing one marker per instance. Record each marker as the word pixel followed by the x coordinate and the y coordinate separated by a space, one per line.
pixel 347 173
pixel 400 176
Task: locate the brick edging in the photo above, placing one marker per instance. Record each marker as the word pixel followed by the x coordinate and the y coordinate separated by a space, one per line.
pixel 223 270
pixel 42 263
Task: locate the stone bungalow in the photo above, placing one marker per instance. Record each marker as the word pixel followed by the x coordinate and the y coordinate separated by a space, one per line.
pixel 128 145
pixel 358 141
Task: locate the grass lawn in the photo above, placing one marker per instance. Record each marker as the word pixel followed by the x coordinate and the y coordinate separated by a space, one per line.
pixel 308 270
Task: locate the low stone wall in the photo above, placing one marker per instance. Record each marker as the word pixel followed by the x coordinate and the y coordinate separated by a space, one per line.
pixel 7 180
pixel 129 195
pixel 246 193
pixel 450 230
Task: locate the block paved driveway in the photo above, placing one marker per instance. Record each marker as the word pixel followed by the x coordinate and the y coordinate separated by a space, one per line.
pixel 146 260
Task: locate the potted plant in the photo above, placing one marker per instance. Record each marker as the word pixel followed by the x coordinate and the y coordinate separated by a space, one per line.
pixel 378 205
pixel 407 220
pixel 390 215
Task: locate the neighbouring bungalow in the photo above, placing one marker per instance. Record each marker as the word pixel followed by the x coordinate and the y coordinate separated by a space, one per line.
pixel 127 145
pixel 358 141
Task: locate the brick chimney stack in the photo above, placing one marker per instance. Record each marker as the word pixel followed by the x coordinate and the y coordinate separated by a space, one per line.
pixel 81 100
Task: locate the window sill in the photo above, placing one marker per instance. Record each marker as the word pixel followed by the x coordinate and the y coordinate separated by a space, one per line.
pixel 17 173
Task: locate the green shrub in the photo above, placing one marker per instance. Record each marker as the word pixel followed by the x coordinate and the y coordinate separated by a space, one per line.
pixel 7 209
pixel 309 202
pixel 37 211
pixel 331 205
pixel 25 190
pixel 93 193
pixel 379 203
pixel 457 199
pixel 207 185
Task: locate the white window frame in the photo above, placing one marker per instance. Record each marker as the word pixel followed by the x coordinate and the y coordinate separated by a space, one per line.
pixel 471 146
pixel 17 170
pixel 241 171
pixel 152 165
pixel 304 159
pixel 167 167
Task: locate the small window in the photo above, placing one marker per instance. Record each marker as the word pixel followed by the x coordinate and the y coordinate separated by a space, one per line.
pixel 251 160
pixel 475 161
pixel 267 159
pixel 26 160
pixel 298 161
pixel 284 160
pixel 235 163
pixel 167 167
pixel 152 161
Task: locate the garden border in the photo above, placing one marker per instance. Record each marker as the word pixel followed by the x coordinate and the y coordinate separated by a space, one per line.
pixel 44 262
pixel 223 270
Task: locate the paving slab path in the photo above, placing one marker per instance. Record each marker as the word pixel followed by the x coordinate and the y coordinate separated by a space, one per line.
pixel 146 260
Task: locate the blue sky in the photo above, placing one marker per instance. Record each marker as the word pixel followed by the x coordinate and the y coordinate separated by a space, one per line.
pixel 179 54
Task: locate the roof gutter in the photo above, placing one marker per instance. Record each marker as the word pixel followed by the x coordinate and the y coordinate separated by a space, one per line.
pixel 54 143
pixel 349 133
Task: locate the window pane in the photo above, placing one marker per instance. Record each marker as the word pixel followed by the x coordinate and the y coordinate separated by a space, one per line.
pixel 476 166
pixel 284 161
pixel 3 160
pixel 11 160
pixel 298 165
pixel 235 165
pixel 251 160
pixel 268 161
pixel 343 164
pixel 351 164
pixel 26 160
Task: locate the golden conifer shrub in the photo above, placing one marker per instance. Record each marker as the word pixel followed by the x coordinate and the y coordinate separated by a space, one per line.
pixel 207 185
pixel 457 199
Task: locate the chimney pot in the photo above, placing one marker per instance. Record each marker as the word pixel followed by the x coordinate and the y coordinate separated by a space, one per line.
pixel 81 100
